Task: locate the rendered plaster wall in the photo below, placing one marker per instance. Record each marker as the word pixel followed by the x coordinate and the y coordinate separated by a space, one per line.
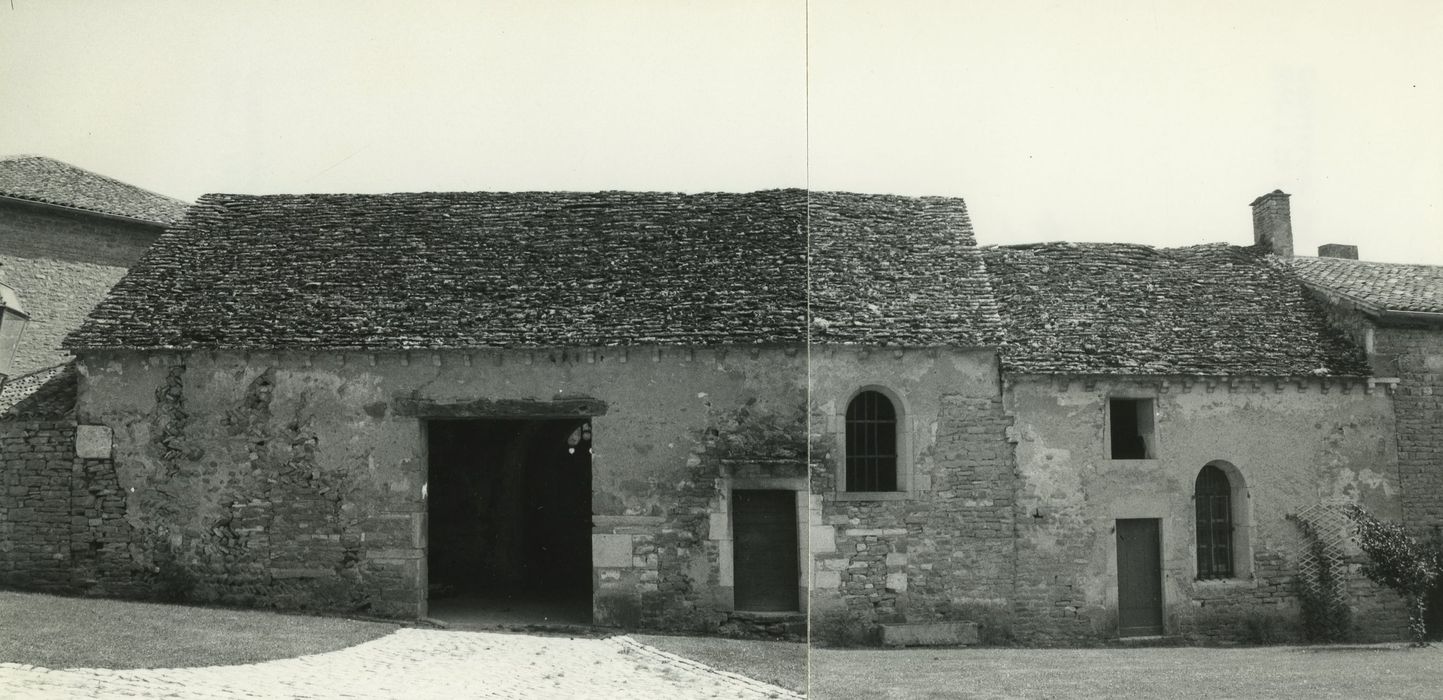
pixel 296 481
pixel 61 265
pixel 1413 356
pixel 942 548
pixel 1293 445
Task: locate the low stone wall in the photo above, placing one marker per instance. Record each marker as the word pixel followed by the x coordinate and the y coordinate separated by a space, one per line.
pixel 62 517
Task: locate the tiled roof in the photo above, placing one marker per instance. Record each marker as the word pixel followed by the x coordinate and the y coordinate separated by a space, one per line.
pixel 1382 286
pixel 46 394
pixel 39 179
pixel 1093 308
pixel 888 270
pixel 459 270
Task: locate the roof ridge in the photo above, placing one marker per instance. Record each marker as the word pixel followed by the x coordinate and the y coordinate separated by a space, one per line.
pixel 678 193
pixel 1096 245
pixel 34 372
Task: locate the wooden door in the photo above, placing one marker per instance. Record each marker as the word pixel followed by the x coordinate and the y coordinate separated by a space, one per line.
pixel 764 542
pixel 1139 578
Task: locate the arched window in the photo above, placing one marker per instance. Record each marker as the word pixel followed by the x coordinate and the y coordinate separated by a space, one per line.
pixel 871 443
pixel 1214 495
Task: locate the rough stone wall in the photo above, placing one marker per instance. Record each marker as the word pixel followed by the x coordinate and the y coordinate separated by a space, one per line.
pixel 62 525
pixel 1415 357
pixel 61 265
pixel 1292 443
pixel 36 461
pixel 295 481
pixel 943 548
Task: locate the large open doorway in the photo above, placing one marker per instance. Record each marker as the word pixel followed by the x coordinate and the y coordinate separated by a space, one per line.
pixel 509 520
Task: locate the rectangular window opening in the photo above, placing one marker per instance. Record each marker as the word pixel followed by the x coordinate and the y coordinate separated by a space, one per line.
pixel 1131 426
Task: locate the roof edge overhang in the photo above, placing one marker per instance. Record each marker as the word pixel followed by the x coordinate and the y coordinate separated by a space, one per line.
pixel 847 345
pixel 79 349
pixel 1399 317
pixel 41 204
pixel 1378 313
pixel 1180 376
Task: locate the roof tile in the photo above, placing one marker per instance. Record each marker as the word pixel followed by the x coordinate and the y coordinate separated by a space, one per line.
pixel 1385 286
pixel 889 270
pixel 49 181
pixel 46 394
pixel 1103 308
pixel 530 269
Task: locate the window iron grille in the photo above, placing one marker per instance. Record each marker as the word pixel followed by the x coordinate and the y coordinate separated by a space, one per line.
pixel 871 443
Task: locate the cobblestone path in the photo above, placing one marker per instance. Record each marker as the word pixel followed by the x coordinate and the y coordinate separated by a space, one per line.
pixel 413 663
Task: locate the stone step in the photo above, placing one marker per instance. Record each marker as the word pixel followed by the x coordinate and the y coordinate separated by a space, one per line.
pixel 919 634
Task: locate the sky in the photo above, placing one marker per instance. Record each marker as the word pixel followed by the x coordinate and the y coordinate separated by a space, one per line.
pixel 1111 120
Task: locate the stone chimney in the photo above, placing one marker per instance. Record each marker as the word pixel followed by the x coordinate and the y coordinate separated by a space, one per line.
pixel 1338 250
pixel 1273 223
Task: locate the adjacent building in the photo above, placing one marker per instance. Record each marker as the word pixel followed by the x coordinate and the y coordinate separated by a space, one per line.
pixel 1150 443
pixel 66 236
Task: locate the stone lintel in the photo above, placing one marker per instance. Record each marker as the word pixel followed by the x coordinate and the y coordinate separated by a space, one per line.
pixel 560 407
pixel 627 524
pixel 393 554
pixel 302 573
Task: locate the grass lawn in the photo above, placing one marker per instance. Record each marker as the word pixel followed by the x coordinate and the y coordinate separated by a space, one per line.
pixel 57 632
pixel 1392 671
pixel 778 663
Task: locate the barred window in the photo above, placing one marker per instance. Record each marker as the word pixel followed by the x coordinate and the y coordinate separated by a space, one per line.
pixel 1214 495
pixel 871 443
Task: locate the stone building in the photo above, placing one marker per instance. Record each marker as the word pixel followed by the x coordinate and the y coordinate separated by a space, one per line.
pixel 66 236
pixel 1177 411
pixel 391 402
pixel 1137 445
pixel 727 412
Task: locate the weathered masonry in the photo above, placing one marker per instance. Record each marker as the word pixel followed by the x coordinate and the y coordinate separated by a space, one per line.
pixel 351 480
pixel 1109 440
pixel 913 477
pixel 1187 424
pixel 1396 313
pixel 392 403
pixel 66 236
pixel 728 413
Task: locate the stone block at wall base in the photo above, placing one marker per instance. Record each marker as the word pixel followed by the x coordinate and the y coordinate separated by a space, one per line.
pixel 918 634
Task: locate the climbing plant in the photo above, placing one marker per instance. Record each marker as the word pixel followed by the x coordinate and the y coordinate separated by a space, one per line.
pixel 1326 616
pixel 1399 562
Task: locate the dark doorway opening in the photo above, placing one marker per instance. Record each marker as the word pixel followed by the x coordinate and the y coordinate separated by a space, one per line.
pixel 1132 428
pixel 509 520
pixel 1433 614
pixel 1139 578
pixel 764 534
